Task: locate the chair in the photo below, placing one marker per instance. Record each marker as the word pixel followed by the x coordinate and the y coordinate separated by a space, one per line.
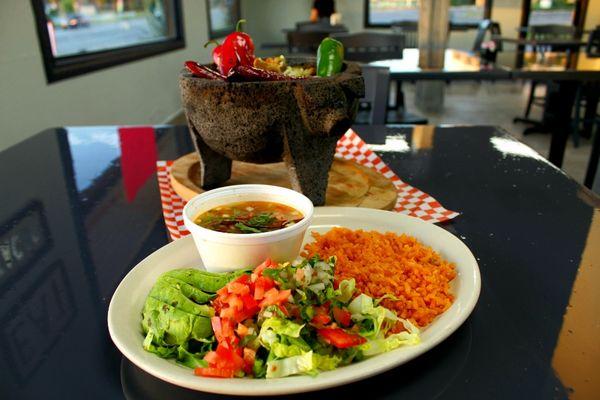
pixel 587 98
pixel 545 32
pixel 377 81
pixel 305 42
pixel 374 108
pixel 592 50
pixel 371 46
pixel 484 27
pixel 592 175
pixel 410 31
pixel 587 94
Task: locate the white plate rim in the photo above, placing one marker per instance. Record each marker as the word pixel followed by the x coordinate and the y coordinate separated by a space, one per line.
pixel 300 384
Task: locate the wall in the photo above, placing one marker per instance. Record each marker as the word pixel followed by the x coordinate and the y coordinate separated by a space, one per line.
pixel 141 92
pixel 267 18
pixel 592 18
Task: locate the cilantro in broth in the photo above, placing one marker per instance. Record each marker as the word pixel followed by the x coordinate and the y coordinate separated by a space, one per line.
pixel 249 217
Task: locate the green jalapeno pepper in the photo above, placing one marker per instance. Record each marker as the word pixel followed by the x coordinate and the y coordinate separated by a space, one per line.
pixel 330 57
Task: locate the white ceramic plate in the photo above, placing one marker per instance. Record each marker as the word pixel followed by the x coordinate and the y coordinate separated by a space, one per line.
pixel 124 312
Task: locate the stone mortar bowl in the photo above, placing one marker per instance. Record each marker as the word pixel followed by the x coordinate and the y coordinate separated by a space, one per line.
pixel 297 121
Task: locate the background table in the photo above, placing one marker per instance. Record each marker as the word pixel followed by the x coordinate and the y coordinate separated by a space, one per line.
pixel 81 207
pixel 571 43
pixel 461 65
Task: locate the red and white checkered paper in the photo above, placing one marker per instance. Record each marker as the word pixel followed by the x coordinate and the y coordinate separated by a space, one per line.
pixel 411 201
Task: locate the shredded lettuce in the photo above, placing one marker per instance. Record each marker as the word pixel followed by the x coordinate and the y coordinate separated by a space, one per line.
pixel 386 296
pixel 300 364
pixel 189 359
pixel 303 363
pixel 377 346
pixel 274 327
pixel 380 318
pixel 282 327
pixel 375 320
pixel 372 318
pixel 345 290
pixel 325 363
pixel 281 350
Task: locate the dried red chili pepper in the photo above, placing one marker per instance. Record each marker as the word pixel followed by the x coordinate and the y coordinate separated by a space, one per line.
pixel 203 72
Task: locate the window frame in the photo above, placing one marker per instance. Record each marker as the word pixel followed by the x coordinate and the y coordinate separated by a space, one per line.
pixel 457 27
pixel 59 68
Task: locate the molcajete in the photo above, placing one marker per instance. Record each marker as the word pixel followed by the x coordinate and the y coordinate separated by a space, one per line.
pixel 297 121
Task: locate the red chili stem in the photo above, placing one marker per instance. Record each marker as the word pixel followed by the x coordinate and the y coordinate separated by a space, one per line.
pixel 202 71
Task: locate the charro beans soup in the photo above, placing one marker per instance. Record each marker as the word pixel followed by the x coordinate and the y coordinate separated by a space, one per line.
pixel 249 217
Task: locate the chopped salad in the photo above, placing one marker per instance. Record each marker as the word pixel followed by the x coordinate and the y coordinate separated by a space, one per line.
pixel 275 321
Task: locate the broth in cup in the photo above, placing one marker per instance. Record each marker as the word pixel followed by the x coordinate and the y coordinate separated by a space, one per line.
pixel 249 217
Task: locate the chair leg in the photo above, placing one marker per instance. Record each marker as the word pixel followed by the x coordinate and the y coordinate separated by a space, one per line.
pixel 530 100
pixel 576 119
pixel 592 168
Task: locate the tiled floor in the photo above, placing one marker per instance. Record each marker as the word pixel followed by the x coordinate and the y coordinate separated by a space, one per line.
pixel 497 104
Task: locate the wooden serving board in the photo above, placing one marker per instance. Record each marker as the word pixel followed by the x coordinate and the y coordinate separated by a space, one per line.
pixel 350 184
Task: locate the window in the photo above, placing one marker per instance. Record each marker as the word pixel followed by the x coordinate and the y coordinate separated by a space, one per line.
pixel 552 12
pixel 79 36
pixel 384 13
pixel 223 16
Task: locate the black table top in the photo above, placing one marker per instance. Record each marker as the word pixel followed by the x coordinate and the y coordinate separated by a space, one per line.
pixel 81 207
pixel 460 64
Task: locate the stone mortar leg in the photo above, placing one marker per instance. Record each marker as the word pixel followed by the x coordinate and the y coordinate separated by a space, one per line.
pixel 308 159
pixel 215 169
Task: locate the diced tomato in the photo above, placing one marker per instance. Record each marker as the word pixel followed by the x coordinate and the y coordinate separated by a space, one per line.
pixel 223 329
pixel 339 338
pixel 238 288
pixel 262 284
pixel 269 295
pixel 235 302
pixel 228 312
pixel 223 291
pixel 228 358
pixel 343 317
pixel 274 296
pixel 259 293
pixel 227 327
pixel 268 263
pixel 321 319
pixel 215 372
pixel 265 282
pixel 217 305
pixel 249 356
pixel 244 279
pixel 241 330
pixel 249 302
pixel 211 357
pixel 283 310
pixel 323 309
